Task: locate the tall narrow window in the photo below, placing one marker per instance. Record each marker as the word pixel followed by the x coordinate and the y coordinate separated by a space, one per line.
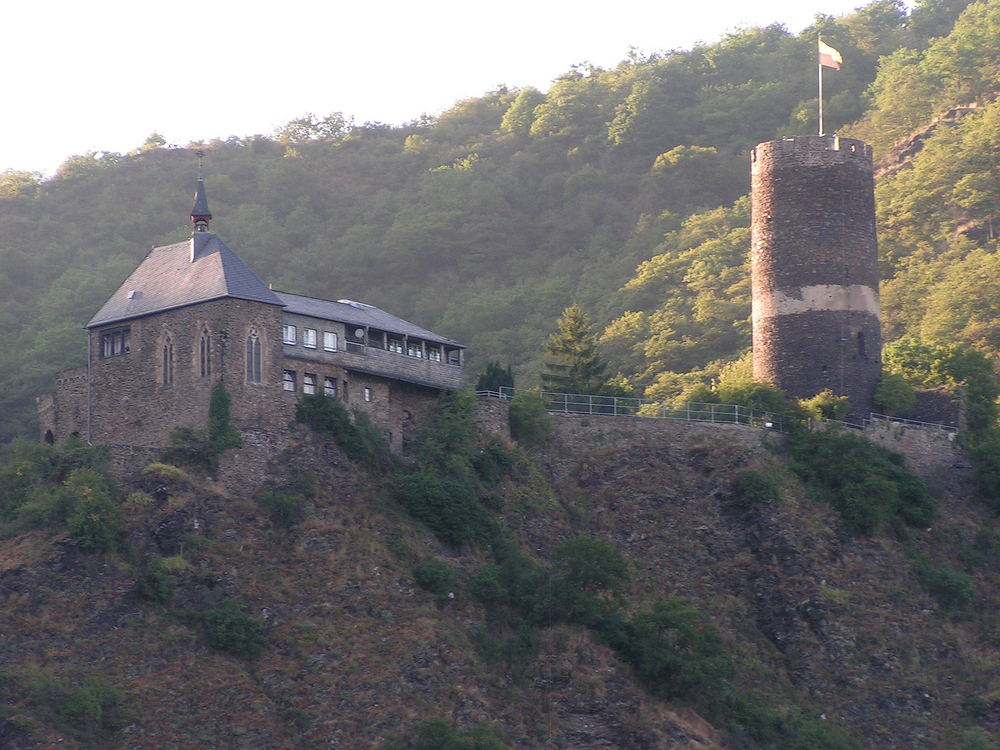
pixel 308 383
pixel 330 386
pixel 205 354
pixel 253 357
pixel 168 362
pixel 861 345
pixel 288 380
pixel 368 394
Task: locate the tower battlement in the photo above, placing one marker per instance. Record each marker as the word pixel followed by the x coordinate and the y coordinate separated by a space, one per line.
pixel 811 150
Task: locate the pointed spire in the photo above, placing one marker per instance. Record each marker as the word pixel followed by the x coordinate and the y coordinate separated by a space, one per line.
pixel 200 214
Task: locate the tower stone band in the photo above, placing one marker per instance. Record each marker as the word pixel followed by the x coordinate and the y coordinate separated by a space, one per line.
pixel 814 268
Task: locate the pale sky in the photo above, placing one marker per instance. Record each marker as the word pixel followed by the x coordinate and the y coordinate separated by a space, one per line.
pixel 103 75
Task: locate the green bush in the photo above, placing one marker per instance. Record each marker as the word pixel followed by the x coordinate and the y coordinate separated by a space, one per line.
pixel 448 506
pixel 438 734
pixel 590 564
pixel 529 422
pixel 95 520
pixel 950 587
pixel 894 395
pixel 284 508
pixel 358 437
pixel 155 583
pixel 201 448
pixel 230 629
pixel 826 405
pixel 87 707
pixel 864 482
pixel 753 487
pixel 435 576
pixel 675 650
pixel 781 728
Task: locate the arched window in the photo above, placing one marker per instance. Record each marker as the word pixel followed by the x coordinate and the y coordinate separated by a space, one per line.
pixel 205 354
pixel 168 361
pixel 253 357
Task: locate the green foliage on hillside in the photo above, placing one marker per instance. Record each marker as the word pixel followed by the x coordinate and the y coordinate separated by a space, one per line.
pixel 864 482
pixel 484 222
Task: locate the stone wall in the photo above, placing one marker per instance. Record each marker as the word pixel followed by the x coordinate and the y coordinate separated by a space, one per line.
pixel 930 452
pixel 814 268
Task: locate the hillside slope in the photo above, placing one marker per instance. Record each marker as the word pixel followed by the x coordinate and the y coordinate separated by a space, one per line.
pixel 357 652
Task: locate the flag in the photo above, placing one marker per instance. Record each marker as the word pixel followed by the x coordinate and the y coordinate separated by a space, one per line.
pixel 828 56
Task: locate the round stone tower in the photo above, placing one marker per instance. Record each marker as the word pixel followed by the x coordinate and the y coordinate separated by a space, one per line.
pixel 814 268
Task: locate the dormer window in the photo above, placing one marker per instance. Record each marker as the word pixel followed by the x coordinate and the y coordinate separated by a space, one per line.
pixel 118 341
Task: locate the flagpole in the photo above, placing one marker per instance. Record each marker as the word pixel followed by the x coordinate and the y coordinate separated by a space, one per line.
pixel 820 73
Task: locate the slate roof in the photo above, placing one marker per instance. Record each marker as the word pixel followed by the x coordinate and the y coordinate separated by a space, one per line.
pixel 358 314
pixel 196 270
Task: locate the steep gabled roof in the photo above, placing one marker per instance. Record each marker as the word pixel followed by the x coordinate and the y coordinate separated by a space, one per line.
pixel 196 270
pixel 358 314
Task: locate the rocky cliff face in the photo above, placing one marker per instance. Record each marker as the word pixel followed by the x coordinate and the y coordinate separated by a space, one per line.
pixel 356 651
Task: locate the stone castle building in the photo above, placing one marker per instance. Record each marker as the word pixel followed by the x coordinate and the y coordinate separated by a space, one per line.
pixel 192 314
pixel 814 268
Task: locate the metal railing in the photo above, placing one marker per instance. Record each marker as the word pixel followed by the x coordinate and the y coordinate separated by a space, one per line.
pixel 586 404
pixel 620 406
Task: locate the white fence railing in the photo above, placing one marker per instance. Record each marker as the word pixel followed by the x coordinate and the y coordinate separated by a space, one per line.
pixel 620 406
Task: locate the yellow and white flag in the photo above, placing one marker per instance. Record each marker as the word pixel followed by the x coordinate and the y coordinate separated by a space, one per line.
pixel 828 56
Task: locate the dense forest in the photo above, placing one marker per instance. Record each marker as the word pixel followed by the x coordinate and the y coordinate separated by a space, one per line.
pixel 622 190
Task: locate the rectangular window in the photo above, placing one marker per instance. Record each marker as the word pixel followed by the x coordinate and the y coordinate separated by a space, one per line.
pixel 413 349
pixel 288 380
pixel 454 358
pixel 394 345
pixel 434 353
pixel 368 394
pixel 116 342
pixel 330 386
pixel 288 334
pixel 330 341
pixel 309 338
pixel 308 383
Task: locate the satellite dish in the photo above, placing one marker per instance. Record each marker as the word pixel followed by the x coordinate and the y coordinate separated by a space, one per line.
pixel 359 333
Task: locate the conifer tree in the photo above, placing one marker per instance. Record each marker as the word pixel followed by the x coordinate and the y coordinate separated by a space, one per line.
pixel 577 367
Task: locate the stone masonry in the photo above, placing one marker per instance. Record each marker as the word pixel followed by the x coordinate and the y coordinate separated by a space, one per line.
pixel 814 268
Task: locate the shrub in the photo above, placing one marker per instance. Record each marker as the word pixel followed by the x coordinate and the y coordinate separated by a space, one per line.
pixel 87 707
pixel 952 588
pixel 95 520
pixel 202 448
pixel 229 628
pixel 529 423
pixel 438 734
pixel 449 507
pixel 676 652
pixel 590 564
pixel 753 487
pixel 284 508
pixel 826 405
pixel 358 438
pixel 155 583
pixel 165 472
pixel 434 575
pixel 894 395
pixel 864 482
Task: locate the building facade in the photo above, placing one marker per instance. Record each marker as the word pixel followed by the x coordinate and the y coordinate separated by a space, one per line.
pixel 814 268
pixel 192 314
